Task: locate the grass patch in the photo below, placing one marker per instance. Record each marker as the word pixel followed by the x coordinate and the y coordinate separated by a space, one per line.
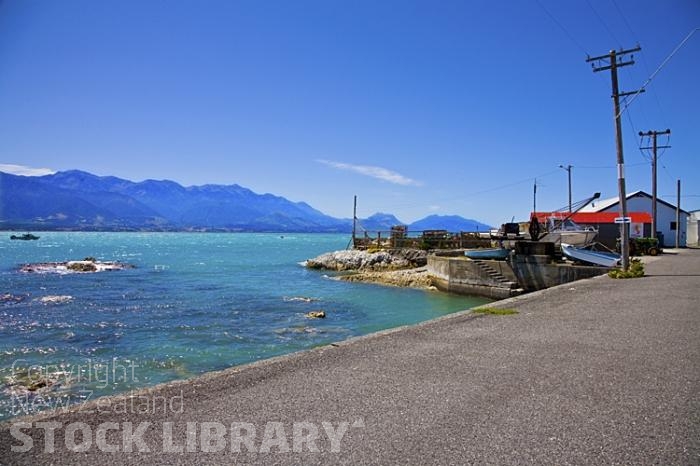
pixel 494 311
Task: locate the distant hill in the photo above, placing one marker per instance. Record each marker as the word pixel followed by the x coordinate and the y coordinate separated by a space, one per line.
pixel 379 222
pixel 77 200
pixel 448 222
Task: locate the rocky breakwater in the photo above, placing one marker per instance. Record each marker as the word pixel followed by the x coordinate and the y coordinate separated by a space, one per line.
pixel 397 267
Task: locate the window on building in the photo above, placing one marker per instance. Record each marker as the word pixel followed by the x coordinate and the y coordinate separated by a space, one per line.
pixel 673 226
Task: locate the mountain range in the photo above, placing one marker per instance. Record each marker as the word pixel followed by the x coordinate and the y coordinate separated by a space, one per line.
pixel 77 200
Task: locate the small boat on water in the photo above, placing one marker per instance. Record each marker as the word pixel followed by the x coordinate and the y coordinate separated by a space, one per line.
pixel 487 253
pixel 25 237
pixel 590 256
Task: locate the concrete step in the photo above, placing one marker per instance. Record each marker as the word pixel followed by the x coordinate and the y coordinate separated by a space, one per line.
pixel 495 275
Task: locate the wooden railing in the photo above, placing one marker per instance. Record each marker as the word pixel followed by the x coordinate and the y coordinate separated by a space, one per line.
pixel 428 239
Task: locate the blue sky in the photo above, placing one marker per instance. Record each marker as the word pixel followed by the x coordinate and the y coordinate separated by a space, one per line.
pixel 416 107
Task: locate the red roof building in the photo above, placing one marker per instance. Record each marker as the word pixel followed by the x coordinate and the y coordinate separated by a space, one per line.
pixel 604 222
pixel 595 218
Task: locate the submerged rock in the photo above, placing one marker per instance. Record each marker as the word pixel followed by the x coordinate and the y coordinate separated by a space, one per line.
pixel 29 383
pixel 316 315
pixel 11 298
pixel 303 299
pixel 58 299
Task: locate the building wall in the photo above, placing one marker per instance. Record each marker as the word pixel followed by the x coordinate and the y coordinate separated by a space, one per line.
pixel 694 229
pixel 608 233
pixel 664 216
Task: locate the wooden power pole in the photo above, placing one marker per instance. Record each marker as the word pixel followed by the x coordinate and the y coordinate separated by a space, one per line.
pixel 654 147
pixel 354 220
pixel 611 62
pixel 568 169
pixel 678 214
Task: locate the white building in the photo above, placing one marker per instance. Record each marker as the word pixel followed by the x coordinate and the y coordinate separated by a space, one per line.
pixel 639 201
pixel 694 228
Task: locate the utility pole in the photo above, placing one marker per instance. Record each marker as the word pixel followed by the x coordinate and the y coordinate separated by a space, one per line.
pixel 678 214
pixel 654 147
pixel 568 169
pixel 534 197
pixel 613 64
pixel 354 220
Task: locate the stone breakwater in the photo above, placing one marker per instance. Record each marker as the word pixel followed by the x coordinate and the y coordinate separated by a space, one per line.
pixel 397 267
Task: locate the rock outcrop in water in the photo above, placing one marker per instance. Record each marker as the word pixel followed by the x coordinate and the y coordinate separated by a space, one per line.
pixel 87 265
pixel 357 260
pixel 396 267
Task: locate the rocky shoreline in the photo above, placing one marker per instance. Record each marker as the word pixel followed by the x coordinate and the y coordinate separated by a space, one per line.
pixel 395 267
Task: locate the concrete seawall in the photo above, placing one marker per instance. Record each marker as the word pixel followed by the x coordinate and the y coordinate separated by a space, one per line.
pixel 491 279
pixel 503 279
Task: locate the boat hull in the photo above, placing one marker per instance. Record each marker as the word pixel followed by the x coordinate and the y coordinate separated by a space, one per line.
pixel 487 253
pixel 573 238
pixel 602 258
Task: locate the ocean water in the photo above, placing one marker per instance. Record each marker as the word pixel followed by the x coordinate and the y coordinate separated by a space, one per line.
pixel 195 302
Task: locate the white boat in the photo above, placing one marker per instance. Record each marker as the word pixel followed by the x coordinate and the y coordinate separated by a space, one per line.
pixel 589 256
pixel 487 253
pixel 566 231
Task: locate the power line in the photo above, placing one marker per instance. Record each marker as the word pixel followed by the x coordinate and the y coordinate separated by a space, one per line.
pixel 668 173
pixel 645 63
pixel 619 44
pixel 597 167
pixel 653 75
pixel 561 26
pixel 629 118
pixel 622 15
pixel 646 67
pixel 666 146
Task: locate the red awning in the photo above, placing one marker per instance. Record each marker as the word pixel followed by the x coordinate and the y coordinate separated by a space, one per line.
pixel 593 218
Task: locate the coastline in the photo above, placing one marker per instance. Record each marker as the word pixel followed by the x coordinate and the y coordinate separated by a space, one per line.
pixel 516 382
pixel 189 305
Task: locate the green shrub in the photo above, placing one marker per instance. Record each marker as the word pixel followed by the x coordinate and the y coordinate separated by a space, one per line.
pixel 636 270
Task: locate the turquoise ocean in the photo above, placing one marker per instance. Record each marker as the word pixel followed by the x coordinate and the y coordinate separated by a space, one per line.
pixel 194 303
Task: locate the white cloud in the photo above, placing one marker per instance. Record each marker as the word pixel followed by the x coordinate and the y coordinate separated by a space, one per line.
pixel 25 171
pixel 374 172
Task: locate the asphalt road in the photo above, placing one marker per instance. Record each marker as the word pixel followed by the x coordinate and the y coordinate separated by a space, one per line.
pixel 599 371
